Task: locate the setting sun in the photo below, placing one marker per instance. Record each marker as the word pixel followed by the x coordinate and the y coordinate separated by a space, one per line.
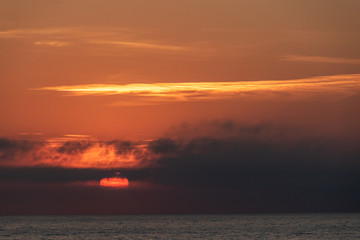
pixel 114 182
pixel 179 107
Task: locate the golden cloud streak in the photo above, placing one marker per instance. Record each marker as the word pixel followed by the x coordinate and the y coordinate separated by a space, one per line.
pixel 340 84
pixel 77 135
pixel 51 43
pixel 319 59
pixel 140 45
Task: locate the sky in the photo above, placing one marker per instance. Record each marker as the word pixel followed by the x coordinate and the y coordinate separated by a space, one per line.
pixel 166 107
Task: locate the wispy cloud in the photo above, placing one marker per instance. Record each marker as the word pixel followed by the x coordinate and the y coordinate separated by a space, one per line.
pixel 140 45
pixel 77 135
pixel 69 32
pixel 36 32
pixel 320 59
pixel 30 133
pixel 51 43
pixel 191 91
pixel 112 38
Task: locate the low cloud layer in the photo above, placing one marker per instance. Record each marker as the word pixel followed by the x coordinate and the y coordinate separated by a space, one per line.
pixel 257 165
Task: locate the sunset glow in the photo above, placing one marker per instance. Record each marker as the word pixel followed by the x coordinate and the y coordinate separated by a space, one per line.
pixel 114 182
pixel 235 106
pixel 81 153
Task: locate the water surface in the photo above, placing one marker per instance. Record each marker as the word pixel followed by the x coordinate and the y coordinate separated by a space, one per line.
pixel 281 226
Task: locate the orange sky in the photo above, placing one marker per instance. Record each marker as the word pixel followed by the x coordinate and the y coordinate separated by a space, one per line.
pixel 135 69
pixel 218 99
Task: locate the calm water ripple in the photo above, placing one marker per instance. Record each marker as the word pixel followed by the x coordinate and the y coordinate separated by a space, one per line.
pixel 281 226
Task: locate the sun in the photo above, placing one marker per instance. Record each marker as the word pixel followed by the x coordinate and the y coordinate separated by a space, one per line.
pixel 115 182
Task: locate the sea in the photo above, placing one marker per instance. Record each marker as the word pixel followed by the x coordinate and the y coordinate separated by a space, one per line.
pixel 267 226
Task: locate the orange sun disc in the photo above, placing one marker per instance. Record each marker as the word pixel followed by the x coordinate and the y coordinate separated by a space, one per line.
pixel 114 182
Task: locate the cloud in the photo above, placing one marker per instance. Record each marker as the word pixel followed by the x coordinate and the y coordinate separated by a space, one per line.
pixel 77 136
pixel 208 154
pixel 25 33
pixel 227 138
pixel 142 45
pixel 122 147
pixel 263 165
pixel 111 38
pixel 319 59
pixel 196 91
pixel 11 148
pixel 227 165
pixel 62 33
pixel 30 133
pixel 227 154
pixel 74 147
pixel 71 153
pixel 51 43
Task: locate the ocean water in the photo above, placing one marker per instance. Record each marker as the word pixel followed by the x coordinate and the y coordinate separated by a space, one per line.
pixel 281 226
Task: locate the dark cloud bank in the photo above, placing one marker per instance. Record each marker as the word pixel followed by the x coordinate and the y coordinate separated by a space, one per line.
pixel 232 169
